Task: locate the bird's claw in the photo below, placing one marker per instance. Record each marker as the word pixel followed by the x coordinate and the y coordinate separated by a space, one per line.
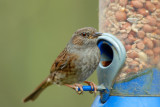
pixel 93 86
pixel 75 87
pixel 79 86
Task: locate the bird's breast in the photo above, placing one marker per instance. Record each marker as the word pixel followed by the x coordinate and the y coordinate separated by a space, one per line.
pixel 87 63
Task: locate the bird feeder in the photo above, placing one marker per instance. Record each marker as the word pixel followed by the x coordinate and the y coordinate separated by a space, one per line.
pixel 130 53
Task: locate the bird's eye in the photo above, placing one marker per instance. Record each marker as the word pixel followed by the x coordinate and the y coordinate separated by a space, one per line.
pixel 83 34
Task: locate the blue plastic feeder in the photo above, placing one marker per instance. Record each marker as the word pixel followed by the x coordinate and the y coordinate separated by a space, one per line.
pixel 139 90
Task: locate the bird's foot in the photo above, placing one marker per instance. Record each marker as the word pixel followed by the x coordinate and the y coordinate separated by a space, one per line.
pixel 75 87
pixel 93 86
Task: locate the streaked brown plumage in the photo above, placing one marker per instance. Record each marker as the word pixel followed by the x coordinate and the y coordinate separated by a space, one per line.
pixel 75 63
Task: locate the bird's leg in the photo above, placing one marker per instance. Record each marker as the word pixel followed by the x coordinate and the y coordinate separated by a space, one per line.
pixel 75 87
pixel 93 85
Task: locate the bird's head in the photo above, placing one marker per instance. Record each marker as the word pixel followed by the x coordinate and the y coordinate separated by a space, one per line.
pixel 85 37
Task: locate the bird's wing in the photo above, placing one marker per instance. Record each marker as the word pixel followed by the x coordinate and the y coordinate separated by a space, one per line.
pixel 63 62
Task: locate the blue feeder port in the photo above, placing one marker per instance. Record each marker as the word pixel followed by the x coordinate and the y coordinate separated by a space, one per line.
pixel 140 90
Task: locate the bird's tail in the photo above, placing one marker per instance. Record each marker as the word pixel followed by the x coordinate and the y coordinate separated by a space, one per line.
pixel 38 90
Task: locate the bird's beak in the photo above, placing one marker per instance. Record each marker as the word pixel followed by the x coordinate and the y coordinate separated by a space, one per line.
pixel 97 34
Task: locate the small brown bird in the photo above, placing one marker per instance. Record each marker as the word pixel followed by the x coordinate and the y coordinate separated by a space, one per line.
pixel 75 63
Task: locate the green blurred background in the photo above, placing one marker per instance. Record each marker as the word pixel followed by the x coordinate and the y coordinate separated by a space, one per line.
pixel 32 34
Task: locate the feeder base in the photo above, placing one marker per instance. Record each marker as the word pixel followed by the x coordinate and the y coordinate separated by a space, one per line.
pixel 119 101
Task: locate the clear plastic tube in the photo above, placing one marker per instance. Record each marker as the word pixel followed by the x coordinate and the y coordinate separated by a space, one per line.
pixel 137 24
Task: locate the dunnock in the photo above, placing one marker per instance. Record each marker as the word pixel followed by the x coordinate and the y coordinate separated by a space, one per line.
pixel 75 63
